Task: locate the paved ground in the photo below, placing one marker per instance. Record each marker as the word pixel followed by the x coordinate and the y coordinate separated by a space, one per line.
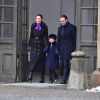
pixel 45 91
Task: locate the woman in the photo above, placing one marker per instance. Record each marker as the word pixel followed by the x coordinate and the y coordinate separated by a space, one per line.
pixel 37 42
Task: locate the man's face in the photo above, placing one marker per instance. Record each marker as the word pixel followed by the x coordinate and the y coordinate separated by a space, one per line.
pixel 63 21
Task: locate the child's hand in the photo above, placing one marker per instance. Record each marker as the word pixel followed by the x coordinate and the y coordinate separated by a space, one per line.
pixel 45 50
pixel 57 52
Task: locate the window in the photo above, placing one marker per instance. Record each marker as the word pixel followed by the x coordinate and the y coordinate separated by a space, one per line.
pixel 0 2
pixel 6 18
pixel 8 30
pixel 8 2
pixel 8 14
pixel 89 20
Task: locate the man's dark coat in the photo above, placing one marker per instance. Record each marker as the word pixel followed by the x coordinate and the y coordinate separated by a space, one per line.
pixel 66 40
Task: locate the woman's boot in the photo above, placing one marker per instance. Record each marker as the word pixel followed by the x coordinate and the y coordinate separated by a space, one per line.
pixel 30 77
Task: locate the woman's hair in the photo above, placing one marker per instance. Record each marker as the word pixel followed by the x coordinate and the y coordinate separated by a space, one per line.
pixel 64 16
pixel 40 16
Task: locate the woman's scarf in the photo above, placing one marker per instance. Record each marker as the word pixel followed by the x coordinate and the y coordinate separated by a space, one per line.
pixel 38 26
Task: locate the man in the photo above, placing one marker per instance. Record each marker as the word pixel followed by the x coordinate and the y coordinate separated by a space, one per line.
pixel 66 45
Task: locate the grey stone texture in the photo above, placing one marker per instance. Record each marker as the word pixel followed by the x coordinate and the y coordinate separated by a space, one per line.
pixel 29 92
pixel 76 78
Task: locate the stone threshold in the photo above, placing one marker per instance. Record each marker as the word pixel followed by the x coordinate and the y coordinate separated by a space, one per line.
pixel 37 85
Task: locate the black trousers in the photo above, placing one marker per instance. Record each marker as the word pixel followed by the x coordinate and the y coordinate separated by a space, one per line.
pixel 52 74
pixel 65 64
pixel 37 60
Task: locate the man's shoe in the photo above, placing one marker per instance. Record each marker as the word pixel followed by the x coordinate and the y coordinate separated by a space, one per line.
pixel 63 82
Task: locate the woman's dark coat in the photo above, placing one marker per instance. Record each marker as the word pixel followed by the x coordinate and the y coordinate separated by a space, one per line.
pixel 66 40
pixel 38 40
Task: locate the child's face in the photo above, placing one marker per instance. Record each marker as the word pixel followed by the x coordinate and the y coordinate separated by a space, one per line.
pixel 51 40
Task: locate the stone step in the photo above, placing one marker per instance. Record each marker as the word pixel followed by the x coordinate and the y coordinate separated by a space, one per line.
pixel 37 85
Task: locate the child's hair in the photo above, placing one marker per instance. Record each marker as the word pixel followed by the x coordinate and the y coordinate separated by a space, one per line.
pixel 53 36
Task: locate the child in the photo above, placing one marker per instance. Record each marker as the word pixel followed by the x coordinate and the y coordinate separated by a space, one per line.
pixel 52 58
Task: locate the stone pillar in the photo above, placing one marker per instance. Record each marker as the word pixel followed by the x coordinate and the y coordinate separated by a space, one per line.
pixel 76 77
pixel 95 77
pixel 98 37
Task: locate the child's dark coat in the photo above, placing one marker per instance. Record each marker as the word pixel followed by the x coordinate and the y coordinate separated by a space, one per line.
pixel 52 60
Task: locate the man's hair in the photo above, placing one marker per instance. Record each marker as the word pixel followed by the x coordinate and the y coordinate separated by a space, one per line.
pixel 40 15
pixel 64 16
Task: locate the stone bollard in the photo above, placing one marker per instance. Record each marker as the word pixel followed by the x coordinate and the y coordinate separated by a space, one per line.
pixel 76 77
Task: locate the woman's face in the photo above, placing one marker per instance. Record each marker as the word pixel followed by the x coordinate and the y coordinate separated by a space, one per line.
pixel 38 19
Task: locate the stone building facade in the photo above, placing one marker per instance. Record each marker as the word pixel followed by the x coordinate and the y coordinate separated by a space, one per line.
pixel 16 17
